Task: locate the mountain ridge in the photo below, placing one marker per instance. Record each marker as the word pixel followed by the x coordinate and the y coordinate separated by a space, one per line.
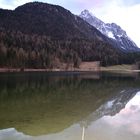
pixel 41 35
pixel 111 30
pixel 35 12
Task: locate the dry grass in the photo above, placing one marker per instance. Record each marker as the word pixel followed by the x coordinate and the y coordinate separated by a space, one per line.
pixel 118 67
pixel 125 69
pixel 90 66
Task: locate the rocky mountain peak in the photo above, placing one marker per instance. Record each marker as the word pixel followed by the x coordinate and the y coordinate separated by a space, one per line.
pixel 111 30
pixel 85 13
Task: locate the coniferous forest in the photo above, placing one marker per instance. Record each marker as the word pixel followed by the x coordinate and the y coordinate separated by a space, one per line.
pixel 38 35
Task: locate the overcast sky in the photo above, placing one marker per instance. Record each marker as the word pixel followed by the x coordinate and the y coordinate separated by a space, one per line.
pixel 125 13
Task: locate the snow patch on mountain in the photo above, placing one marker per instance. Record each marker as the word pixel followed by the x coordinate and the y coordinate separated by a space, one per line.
pixel 110 34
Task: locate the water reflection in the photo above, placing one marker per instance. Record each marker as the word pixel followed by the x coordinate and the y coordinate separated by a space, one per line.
pixel 124 125
pixel 112 107
pixel 12 134
pixel 69 106
pixel 129 117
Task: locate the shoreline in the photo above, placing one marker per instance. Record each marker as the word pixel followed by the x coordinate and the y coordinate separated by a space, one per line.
pixel 102 69
pixel 10 70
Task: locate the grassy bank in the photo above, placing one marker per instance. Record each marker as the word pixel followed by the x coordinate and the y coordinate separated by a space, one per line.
pixel 120 68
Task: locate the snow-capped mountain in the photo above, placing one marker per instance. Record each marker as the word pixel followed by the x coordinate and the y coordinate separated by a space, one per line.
pixel 111 30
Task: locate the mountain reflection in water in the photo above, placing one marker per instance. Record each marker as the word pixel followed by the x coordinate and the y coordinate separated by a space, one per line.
pixel 125 125
pixel 64 106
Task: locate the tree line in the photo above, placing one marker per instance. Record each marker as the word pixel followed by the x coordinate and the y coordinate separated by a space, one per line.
pixel 35 51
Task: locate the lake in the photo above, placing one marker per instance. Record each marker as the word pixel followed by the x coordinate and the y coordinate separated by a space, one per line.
pixel 69 106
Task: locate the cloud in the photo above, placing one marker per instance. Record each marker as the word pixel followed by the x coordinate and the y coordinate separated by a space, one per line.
pixel 130 2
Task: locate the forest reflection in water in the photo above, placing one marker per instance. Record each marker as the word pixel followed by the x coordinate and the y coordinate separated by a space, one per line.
pixel 61 105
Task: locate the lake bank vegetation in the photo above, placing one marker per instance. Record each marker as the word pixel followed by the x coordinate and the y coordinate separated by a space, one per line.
pixel 18 50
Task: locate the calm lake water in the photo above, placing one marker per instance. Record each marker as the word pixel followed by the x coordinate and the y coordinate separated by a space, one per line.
pixel 69 106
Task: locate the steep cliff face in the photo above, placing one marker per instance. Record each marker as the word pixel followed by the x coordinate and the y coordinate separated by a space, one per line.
pixel 112 31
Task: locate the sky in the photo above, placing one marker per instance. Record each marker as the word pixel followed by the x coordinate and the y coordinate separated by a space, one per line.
pixel 125 13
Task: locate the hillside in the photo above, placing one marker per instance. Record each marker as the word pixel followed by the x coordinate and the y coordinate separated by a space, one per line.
pixel 45 19
pixel 40 35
